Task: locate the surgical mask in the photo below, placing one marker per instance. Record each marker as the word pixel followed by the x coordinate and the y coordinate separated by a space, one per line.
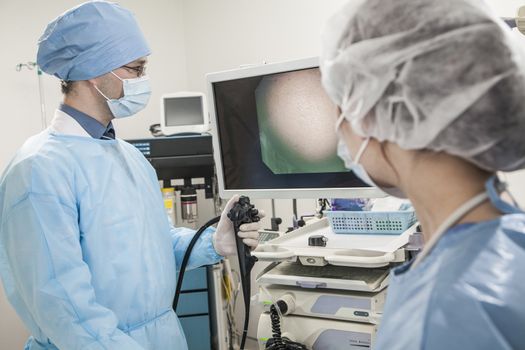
pixel 137 92
pixel 355 167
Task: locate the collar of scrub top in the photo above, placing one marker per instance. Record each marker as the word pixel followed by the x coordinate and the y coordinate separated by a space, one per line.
pixel 95 129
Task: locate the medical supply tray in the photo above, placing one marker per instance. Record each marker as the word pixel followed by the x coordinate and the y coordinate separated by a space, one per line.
pixel 371 222
pixel 367 251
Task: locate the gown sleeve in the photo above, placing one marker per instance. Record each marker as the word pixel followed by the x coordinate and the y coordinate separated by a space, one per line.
pixel 203 252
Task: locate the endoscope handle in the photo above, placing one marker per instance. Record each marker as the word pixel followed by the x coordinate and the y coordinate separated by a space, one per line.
pixel 243 213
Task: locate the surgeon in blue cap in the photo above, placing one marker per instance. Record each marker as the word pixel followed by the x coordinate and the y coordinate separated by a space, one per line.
pixel 88 257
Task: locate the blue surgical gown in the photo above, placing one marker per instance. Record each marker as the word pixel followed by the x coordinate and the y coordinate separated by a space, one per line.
pixel 468 293
pixel 87 255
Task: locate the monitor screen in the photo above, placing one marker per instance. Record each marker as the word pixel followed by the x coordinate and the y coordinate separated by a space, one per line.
pixel 276 132
pixel 180 111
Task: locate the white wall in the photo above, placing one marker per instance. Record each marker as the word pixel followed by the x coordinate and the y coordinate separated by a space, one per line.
pixel 234 32
pixel 189 38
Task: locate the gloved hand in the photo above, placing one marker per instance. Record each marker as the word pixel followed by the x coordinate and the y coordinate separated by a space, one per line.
pixel 224 236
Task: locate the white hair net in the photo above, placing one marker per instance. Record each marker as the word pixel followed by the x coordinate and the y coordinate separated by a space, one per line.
pixel 440 75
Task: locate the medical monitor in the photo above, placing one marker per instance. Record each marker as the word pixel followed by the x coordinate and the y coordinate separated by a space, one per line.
pixel 184 112
pixel 274 134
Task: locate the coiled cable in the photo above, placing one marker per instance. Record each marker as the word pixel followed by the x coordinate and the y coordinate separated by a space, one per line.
pixel 276 329
pixel 277 342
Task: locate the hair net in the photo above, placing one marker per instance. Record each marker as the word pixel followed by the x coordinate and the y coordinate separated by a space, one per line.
pixel 440 75
pixel 89 40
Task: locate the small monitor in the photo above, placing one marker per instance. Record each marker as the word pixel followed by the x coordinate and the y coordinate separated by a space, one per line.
pixel 274 134
pixel 184 112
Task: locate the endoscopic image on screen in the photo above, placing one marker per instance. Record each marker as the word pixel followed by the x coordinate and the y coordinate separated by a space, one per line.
pixel 278 131
pixel 296 124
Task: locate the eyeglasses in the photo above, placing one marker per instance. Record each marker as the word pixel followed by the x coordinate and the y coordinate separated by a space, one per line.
pixel 140 70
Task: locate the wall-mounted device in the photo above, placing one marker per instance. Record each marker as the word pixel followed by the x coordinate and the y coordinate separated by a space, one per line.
pixel 274 134
pixel 184 112
pixel 186 158
pixel 518 21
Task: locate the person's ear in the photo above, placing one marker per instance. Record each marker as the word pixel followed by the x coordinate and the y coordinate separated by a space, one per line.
pixel 94 82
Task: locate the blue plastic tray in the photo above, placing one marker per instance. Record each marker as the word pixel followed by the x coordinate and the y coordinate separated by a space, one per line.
pixel 372 222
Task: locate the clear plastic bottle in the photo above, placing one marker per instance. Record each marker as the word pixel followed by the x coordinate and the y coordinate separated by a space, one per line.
pixel 168 194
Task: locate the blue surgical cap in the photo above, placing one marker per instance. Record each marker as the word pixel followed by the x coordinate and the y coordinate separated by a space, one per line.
pixel 90 40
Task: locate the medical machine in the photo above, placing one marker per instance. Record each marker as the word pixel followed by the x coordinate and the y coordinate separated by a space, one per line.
pixel 184 112
pixel 518 21
pixel 184 164
pixel 319 334
pixel 326 303
pixel 274 137
pixel 330 288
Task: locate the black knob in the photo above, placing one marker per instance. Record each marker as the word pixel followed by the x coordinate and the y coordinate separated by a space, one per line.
pixel 317 241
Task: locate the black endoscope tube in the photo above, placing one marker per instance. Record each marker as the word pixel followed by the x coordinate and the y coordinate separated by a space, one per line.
pixel 187 258
pixel 246 260
pixel 243 253
pixel 244 213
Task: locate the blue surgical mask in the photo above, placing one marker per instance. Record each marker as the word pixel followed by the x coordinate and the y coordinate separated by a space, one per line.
pixel 355 167
pixel 137 92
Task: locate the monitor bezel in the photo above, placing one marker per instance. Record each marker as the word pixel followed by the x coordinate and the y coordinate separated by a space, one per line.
pixel 274 193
